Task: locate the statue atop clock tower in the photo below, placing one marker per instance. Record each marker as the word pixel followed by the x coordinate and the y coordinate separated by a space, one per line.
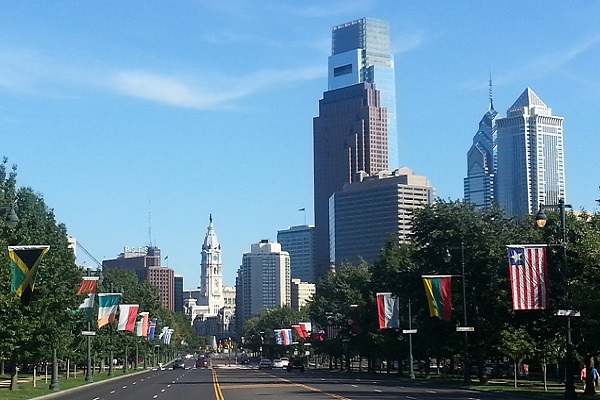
pixel 211 275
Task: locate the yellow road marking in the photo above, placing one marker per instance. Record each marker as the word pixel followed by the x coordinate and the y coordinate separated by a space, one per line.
pixel 217 387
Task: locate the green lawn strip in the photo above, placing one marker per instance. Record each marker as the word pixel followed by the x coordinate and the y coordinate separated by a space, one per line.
pixel 27 391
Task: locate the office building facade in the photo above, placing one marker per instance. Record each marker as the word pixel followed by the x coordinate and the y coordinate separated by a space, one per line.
pixel 144 261
pixel 531 166
pixel 361 51
pixel 366 213
pixel 301 293
pixel 349 135
pixel 263 280
pixel 299 242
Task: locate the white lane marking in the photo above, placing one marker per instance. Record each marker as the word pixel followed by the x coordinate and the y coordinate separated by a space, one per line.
pixel 173 382
pixel 410 397
pixel 162 391
pixel 168 386
pixel 155 396
pixel 112 392
pixel 377 390
pixel 134 383
pixel 96 398
pixel 125 387
pixel 353 385
pixel 431 391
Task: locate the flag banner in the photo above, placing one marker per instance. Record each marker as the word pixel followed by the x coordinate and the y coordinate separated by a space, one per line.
pixel 151 329
pixel 165 335
pixel 303 329
pixel 25 261
pixel 439 296
pixel 108 305
pixel 287 336
pixel 142 327
pixel 127 317
pixel 332 331
pixel 278 336
pixel 89 285
pixel 528 276
pixel 388 310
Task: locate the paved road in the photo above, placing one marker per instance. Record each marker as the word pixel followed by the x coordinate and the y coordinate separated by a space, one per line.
pixel 231 382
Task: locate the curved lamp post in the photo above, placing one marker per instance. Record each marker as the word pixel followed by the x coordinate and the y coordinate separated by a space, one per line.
pixel 540 220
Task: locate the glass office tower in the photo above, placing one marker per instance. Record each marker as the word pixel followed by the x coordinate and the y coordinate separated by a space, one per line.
pixel 531 163
pixel 479 185
pixel 361 52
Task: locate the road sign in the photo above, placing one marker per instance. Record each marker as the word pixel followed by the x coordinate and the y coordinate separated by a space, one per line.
pixel 567 313
pixel 465 329
pixel 409 331
pixel 88 333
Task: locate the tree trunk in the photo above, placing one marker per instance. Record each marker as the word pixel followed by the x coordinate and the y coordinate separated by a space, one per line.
pixel 14 376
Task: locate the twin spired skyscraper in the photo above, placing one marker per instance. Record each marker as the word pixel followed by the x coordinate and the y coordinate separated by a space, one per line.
pixel 519 162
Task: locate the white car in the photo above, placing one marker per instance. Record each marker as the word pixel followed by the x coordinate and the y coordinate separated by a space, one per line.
pixel 277 363
pixel 284 362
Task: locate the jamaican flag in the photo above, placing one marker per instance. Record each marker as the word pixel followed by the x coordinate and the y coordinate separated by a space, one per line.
pixel 24 261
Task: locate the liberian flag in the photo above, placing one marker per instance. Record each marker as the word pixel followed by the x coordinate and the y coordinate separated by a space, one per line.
pixel 528 276
pixel 142 324
pixel 127 317
pixel 439 295
pixel 108 305
pixel 388 310
pixel 151 329
pixel 88 286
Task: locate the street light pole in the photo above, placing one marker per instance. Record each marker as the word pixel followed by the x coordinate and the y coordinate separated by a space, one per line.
pixel 540 220
pixel 465 328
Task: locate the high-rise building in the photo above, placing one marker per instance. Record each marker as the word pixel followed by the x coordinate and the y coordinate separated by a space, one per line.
pixel 361 51
pixel 299 242
pixel 366 213
pixel 263 280
pixel 349 135
pixel 178 290
pixel 145 262
pixel 479 185
pixel 531 165
pixel 301 293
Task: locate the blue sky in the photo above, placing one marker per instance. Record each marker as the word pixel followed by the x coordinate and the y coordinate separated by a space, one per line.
pixel 135 120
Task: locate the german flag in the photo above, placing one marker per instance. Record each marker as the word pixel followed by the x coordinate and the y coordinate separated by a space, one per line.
pixel 24 262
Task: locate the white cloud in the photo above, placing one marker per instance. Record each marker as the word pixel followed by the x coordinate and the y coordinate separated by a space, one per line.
pixel 406 43
pixel 216 92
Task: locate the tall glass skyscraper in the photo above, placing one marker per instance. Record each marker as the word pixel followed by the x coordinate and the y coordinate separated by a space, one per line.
pixel 479 185
pixel 361 52
pixel 531 163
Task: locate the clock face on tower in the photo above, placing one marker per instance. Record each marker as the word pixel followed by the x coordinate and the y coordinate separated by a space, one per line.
pixel 215 258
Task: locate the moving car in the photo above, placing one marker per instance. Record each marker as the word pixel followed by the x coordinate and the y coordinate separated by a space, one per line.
pixel 296 363
pixel 245 359
pixel 179 364
pixel 265 363
pixel 285 361
pixel 277 363
pixel 202 363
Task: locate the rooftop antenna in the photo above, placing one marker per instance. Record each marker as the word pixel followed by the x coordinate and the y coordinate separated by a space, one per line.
pixel 598 200
pixel 149 223
pixel 490 91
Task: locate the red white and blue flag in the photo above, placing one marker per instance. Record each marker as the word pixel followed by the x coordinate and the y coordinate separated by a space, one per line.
pixel 151 329
pixel 528 276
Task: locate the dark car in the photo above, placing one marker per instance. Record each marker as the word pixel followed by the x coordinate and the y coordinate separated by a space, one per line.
pixel 295 363
pixel 202 363
pixel 265 363
pixel 178 364
pixel 244 359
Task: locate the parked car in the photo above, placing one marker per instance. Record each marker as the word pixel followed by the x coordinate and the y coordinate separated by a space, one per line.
pixel 265 363
pixel 295 363
pixel 285 361
pixel 178 364
pixel 202 363
pixel 244 359
pixel 277 363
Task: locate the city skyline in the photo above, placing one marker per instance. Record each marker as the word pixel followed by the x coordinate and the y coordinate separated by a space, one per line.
pixel 135 130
